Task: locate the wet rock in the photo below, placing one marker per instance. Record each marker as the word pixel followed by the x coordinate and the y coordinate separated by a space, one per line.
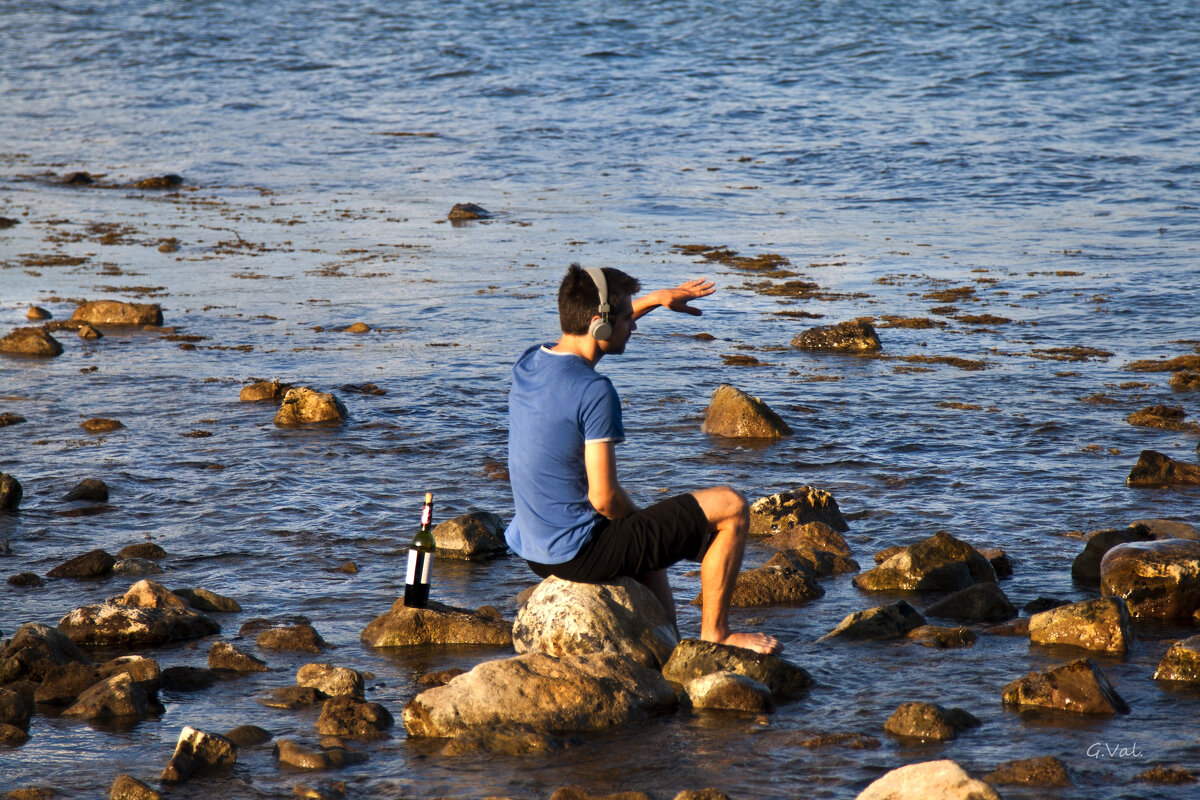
pixel 929 780
pixel 188 679
pixel 144 671
pixel 24 579
pixel 91 490
pixel 815 535
pixel 1040 771
pixel 197 753
pixel 169 181
pixel 729 691
pixel 358 327
pixel 437 624
pixel 1181 663
pixel 821 563
pixel 999 560
pixel 1040 604
pixel 1155 469
pixel 1159 580
pixel 1166 417
pixel 146 615
pixel 1168 529
pixel 101 425
pixel 64 683
pixel 136 567
pixel 8 222
pixel 467 211
pixel 327 791
pixel 248 736
pixel 440 677
pixel 1016 627
pixel 293 754
pixel 983 602
pixel 148 550
pixel 295 638
pixel 290 697
pixel 127 787
pixel 78 179
pixel 116 312
pixel 264 390
pixel 506 740
pixel 940 563
pixel 1080 687
pixel 303 406
pixel 694 658
pixel 9 418
pixel 330 680
pixel 15 708
pixel 942 638
pixel 882 622
pixel 229 658
pixel 34 650
pixel 577 793
pixel 1086 566
pixel 354 719
pixel 1166 775
pixel 572 693
pixel 785 580
pixel 86 331
pixel 204 600
pixel 12 736
pixel 1185 380
pixel 1100 625
pixel 563 617
pixel 477 536
pixel 734 414
pixel 93 564
pixel 117 697
pixel 37 314
pixel 928 722
pixel 784 512
pixel 856 336
pixel 10 492
pixel 887 552
pixel 30 342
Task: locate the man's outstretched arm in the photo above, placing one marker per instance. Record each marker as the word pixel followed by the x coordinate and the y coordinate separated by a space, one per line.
pixel 676 299
pixel 604 491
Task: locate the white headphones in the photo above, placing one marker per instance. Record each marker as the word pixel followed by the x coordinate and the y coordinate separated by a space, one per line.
pixel 601 328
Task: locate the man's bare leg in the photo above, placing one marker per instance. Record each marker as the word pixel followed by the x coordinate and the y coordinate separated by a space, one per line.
pixel 656 582
pixel 729 513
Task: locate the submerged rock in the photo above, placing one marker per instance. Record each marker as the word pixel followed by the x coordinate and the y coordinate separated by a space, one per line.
pixel 783 513
pixel 856 336
pixel 294 638
pixel 1155 469
pixel 115 312
pixel 929 780
pixel 729 691
pixel 91 490
pixel 477 536
pixel 624 617
pixel 1040 771
pixel 204 600
pixel 298 756
pixel 31 342
pixel 939 563
pixel 10 492
pixel 354 719
pixel 303 406
pixel 572 693
pixel 929 722
pixel 1181 663
pixel 942 638
pixel 198 752
pixel 1080 687
pixel 37 313
pixel 882 622
pixel 694 658
pixel 1165 417
pixel 1159 580
pixel 1100 625
pixel 168 181
pixel 983 602
pixel 263 390
pixel 437 624
pixel 734 414
pixel 101 425
pixel 226 657
pixel 467 211
pixel 93 564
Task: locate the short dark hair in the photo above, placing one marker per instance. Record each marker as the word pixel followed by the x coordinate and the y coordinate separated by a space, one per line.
pixel 579 299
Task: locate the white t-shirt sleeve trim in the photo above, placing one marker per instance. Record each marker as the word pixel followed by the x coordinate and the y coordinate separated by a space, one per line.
pixel 613 439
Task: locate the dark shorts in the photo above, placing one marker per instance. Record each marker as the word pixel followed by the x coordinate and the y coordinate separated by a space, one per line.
pixel 651 539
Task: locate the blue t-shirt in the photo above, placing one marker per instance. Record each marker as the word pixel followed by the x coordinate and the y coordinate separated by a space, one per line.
pixel 556 404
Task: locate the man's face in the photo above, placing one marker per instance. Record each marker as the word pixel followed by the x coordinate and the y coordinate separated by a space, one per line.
pixel 623 327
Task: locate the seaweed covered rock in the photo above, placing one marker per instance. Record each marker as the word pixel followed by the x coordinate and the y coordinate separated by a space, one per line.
pixel 734 414
pixel 855 336
pixel 783 513
pixel 34 342
pixel 116 312
pixel 303 406
pixel 1154 469
pixel 437 624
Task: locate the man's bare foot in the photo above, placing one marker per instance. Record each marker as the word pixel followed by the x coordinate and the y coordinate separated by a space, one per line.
pixel 758 642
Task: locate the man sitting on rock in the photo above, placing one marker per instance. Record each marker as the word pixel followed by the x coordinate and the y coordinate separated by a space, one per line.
pixel 573 519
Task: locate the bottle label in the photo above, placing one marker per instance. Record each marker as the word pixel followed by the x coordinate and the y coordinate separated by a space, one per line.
pixel 418 562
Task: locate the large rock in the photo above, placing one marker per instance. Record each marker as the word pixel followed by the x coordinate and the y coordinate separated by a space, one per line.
pixel 223 656
pixel 10 492
pixel 331 681
pixel 856 336
pixel 198 752
pixel 1159 580
pixel 437 624
pixel 303 406
pixel 940 563
pixel 1165 417
pixel 1181 663
pixel 1079 687
pixel 115 312
pixel 92 564
pixel 815 535
pixel 477 536
pixel 734 414
pixel 694 658
pixel 148 614
pixel 34 650
pixel 821 563
pixel 728 691
pixel 785 512
pixel 561 617
pixel 1086 566
pixel 301 638
pixel 882 622
pixel 205 600
pixel 89 490
pixel 785 580
pixel 352 718
pixel 30 342
pixel 144 671
pixel 929 780
pixel 572 693
pixel 1169 529
pixel 983 602
pixel 1154 469
pixel 63 684
pixel 928 722
pixel 1100 625
pixel 117 697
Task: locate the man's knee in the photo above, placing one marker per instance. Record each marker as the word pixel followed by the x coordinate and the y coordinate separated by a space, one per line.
pixel 723 504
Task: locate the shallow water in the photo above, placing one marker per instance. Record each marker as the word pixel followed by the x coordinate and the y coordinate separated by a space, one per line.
pixel 1042 154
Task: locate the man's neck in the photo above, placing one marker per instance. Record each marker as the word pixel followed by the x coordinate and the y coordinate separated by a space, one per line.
pixel 583 346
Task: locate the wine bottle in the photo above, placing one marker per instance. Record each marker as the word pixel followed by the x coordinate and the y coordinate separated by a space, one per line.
pixel 420 559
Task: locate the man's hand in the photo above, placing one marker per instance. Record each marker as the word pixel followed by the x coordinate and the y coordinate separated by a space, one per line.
pixel 676 299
